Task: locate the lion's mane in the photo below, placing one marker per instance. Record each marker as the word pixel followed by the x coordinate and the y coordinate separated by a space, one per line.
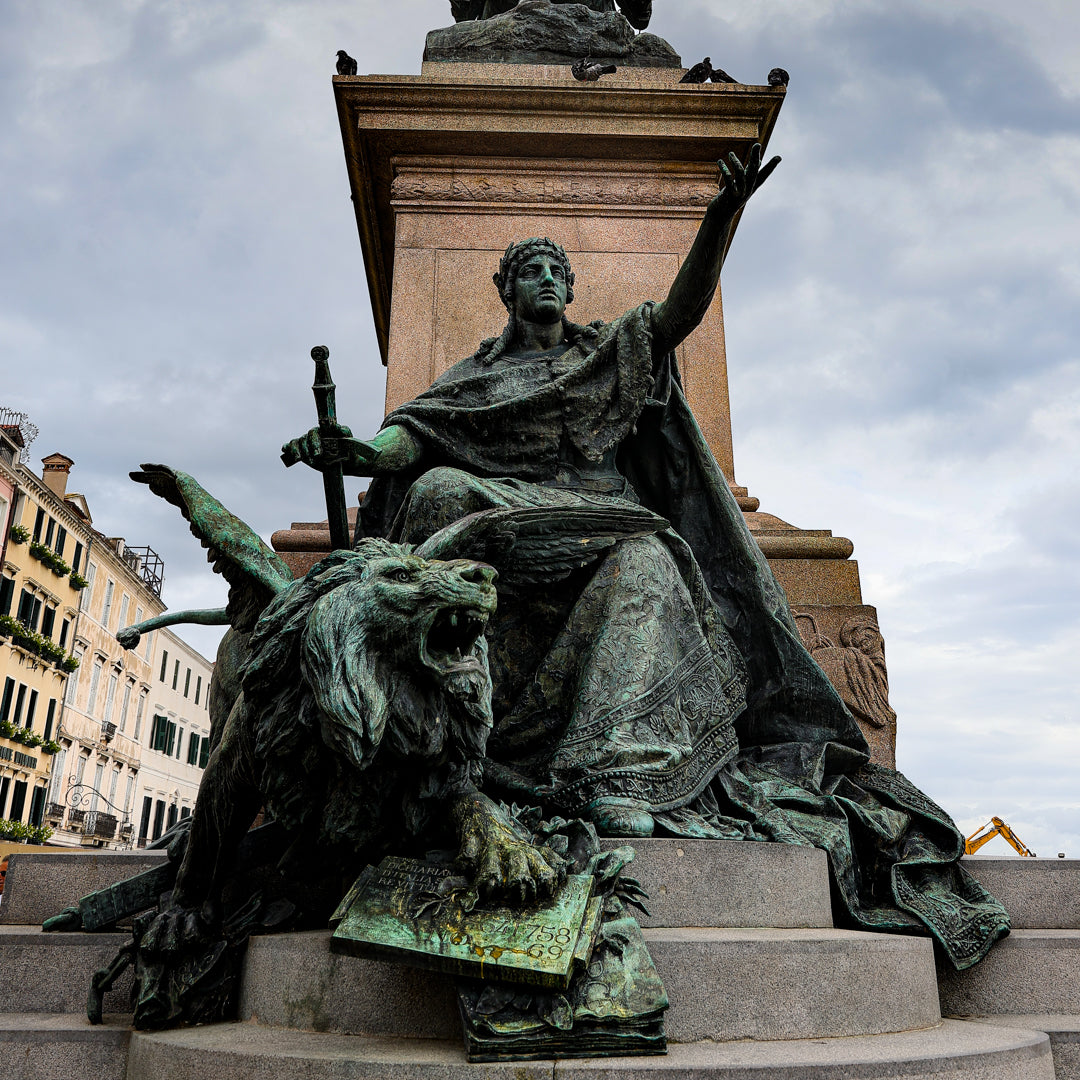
pixel 358 746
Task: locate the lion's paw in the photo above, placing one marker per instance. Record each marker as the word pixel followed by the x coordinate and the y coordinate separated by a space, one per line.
pixel 505 865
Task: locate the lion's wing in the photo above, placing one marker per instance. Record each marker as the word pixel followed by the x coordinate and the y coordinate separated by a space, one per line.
pixel 540 544
pixel 255 572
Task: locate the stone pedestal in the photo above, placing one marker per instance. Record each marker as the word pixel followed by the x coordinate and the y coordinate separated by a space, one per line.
pixel 449 167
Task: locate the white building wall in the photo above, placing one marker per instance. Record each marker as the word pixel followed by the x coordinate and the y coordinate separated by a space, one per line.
pixel 175 736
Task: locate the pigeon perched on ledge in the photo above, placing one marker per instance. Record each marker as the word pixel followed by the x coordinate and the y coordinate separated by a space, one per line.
pixel 779 77
pixel 346 65
pixel 719 75
pixel 584 70
pixel 699 73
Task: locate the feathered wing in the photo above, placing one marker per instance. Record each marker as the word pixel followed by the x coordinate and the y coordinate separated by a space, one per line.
pixel 540 544
pixel 255 573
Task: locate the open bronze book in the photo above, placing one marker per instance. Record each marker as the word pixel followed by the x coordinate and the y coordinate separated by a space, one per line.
pixel 419 913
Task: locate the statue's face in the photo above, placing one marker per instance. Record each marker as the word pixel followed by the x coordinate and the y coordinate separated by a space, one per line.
pixel 540 290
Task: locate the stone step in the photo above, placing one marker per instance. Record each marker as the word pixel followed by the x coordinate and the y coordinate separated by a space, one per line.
pixel 41 885
pixel 51 1046
pixel 731 883
pixel 1030 971
pixel 1064 1032
pixel 50 973
pixel 1039 894
pixel 949 1051
pixel 690 882
pixel 722 983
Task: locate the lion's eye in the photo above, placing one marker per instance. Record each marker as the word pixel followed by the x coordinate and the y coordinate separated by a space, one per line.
pixel 400 574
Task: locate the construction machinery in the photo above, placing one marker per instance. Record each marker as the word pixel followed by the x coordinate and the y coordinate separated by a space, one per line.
pixel 996 827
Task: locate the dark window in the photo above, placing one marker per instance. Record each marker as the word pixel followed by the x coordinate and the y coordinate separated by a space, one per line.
pixel 144 821
pixel 39 523
pixel 61 541
pixel 176 674
pixel 204 751
pixel 179 743
pixel 18 800
pixel 48 620
pixel 198 688
pixel 159 819
pixel 187 682
pixel 77 556
pixel 5 783
pixel 164 664
pixel 185 811
pixel 193 748
pixel 7 594
pixel 31 709
pixel 173 813
pixel 50 529
pixel 159 732
pixel 64 627
pixel 5 702
pixel 37 806
pixel 170 740
pixel 25 613
pixel 20 700
pixel 50 718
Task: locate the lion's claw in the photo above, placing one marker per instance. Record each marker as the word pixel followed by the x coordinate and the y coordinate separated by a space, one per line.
pixel 502 861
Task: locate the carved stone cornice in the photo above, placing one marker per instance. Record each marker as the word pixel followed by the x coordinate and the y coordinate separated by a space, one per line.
pixel 512 184
pixel 520 111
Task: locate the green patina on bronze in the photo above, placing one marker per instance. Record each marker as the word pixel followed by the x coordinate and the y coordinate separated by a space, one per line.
pixel 410 911
pixel 633 670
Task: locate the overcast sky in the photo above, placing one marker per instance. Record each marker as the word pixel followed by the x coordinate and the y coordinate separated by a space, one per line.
pixel 901 303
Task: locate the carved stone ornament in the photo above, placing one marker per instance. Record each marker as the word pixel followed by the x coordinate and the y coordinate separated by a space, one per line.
pixel 856 667
pixel 434 180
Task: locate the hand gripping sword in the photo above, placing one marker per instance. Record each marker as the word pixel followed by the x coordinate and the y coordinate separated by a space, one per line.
pixel 333 478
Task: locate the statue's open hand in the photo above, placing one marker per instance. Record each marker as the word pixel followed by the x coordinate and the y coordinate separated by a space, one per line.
pixel 741 181
pixel 319 449
pixel 502 863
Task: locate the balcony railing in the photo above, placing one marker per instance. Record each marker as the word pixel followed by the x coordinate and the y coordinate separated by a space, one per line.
pixel 55 810
pixel 108 731
pixel 100 825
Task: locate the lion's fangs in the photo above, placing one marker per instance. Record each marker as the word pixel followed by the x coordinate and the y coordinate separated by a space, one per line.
pixel 449 644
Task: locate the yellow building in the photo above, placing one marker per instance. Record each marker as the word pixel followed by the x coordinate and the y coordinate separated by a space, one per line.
pixel 46 543
pixel 105 718
pixel 75 706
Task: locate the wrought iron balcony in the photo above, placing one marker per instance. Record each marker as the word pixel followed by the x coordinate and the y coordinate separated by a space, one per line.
pixel 100 824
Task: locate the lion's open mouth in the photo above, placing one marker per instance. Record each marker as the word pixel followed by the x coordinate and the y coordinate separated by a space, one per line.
pixel 450 643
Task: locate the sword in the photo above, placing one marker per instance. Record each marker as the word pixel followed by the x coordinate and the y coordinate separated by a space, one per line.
pixel 333 478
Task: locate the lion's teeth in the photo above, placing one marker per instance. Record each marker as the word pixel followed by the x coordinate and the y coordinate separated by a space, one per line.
pixel 458 651
pixel 453 620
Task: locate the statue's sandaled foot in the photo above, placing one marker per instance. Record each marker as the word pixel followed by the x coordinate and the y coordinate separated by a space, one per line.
pixel 619 817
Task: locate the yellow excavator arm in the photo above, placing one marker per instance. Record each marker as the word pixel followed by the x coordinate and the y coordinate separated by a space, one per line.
pixel 996 827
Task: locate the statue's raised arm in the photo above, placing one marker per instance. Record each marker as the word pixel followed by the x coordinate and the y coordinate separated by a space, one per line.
pixel 692 291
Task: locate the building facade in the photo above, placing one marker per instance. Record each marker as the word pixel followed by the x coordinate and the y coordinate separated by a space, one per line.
pixel 104 717
pixel 45 547
pixel 105 745
pixel 176 740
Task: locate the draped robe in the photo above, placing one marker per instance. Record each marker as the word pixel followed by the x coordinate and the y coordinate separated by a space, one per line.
pixel 671 677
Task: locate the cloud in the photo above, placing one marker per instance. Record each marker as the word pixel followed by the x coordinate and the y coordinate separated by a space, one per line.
pixel 901 306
